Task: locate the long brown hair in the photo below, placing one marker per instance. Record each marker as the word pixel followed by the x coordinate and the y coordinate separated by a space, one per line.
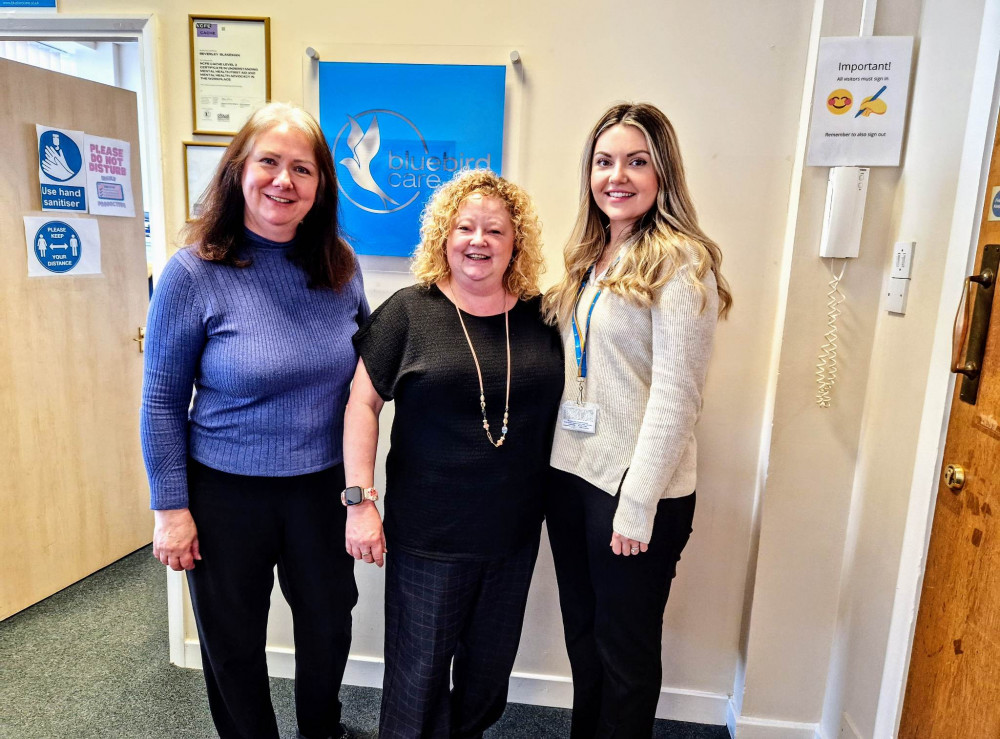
pixel 218 231
pixel 664 242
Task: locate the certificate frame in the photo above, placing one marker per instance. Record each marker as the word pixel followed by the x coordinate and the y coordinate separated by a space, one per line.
pixel 230 70
pixel 201 159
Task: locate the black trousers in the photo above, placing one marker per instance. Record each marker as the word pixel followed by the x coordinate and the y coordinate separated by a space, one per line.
pixel 612 606
pixel 246 527
pixel 436 611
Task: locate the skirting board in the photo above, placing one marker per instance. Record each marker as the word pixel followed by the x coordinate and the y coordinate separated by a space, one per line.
pixel 748 727
pixel 554 691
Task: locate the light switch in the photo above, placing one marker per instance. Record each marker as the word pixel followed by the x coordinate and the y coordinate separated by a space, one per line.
pixel 902 259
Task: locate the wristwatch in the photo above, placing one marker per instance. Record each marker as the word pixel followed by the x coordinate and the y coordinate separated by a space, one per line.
pixel 355 494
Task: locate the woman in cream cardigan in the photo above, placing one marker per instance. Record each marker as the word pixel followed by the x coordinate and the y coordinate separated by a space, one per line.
pixel 637 308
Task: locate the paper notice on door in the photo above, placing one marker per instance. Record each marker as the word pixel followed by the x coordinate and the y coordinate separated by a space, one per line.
pixel 109 176
pixel 62 247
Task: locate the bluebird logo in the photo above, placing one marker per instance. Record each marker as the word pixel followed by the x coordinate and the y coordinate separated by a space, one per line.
pixel 364 146
pixel 390 163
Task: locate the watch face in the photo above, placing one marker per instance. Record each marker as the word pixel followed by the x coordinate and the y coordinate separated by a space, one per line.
pixel 352 496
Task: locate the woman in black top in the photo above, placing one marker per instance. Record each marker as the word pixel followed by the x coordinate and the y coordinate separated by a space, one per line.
pixel 476 377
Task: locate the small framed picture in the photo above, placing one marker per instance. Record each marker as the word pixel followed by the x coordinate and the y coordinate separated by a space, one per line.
pixel 230 70
pixel 201 159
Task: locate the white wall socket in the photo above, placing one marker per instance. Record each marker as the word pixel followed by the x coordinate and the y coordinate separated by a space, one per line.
pixel 902 259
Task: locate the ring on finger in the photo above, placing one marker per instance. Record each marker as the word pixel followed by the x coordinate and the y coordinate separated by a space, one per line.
pixel 634 550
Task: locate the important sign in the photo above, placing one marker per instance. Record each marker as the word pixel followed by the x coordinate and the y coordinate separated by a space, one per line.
pixel 61 174
pixel 62 247
pixel 859 102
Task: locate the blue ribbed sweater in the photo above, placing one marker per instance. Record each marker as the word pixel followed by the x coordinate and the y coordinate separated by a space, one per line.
pixel 270 361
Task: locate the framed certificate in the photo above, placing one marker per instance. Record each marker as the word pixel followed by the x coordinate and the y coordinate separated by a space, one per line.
pixel 230 70
pixel 200 162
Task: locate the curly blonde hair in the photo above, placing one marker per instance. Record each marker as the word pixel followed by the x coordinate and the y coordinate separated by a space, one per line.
pixel 430 261
pixel 664 242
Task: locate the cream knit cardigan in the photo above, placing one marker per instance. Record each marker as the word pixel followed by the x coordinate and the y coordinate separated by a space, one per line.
pixel 646 371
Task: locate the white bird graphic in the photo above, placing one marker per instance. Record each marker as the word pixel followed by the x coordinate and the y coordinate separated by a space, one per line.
pixel 364 147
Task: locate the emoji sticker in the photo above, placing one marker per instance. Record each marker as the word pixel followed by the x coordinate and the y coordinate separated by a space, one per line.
pixel 872 105
pixel 839 102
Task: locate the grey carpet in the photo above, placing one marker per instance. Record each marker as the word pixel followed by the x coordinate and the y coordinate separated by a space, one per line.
pixel 91 662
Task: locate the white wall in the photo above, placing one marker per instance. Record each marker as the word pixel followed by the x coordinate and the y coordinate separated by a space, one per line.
pixel 834 508
pixel 924 210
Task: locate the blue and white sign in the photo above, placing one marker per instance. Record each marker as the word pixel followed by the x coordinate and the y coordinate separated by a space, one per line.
pixel 62 176
pixel 994 211
pixel 70 246
pixel 397 132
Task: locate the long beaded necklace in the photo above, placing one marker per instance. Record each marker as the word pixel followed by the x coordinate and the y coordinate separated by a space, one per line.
pixel 482 393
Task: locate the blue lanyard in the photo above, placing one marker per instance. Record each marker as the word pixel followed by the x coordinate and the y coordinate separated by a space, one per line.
pixel 581 346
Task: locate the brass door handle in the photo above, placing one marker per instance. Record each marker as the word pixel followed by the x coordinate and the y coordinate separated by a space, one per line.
pixel 960 332
pixel 972 324
pixel 141 338
pixel 954 477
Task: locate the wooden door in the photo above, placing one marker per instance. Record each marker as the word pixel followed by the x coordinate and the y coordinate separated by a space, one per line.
pixel 953 688
pixel 73 494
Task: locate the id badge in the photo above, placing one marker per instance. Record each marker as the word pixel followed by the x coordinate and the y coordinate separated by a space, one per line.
pixel 577 417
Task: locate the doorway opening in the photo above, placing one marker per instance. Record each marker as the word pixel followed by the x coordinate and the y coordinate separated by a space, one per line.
pixel 120 52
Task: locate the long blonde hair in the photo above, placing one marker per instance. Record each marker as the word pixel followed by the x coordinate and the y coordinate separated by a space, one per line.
pixel 665 241
pixel 430 261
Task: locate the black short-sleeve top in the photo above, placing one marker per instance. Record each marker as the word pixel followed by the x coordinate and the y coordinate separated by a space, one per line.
pixel 449 493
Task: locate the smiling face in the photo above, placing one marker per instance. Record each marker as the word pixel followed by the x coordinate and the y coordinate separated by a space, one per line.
pixel 280 178
pixel 480 245
pixel 623 181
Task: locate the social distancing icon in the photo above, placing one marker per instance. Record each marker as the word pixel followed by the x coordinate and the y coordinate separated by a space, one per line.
pixel 57 247
pixel 65 247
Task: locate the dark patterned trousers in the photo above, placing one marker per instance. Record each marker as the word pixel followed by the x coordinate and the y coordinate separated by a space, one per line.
pixel 246 527
pixel 612 606
pixel 436 612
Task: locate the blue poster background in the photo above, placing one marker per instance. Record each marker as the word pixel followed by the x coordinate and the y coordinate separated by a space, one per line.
pixel 398 131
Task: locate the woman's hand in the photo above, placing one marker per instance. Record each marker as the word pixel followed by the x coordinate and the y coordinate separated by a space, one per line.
pixel 175 539
pixel 363 537
pixel 626 547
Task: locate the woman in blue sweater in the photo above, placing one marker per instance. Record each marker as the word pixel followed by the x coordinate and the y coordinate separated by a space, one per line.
pixel 257 317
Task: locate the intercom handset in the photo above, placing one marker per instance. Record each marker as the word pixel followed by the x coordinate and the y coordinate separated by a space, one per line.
pixel 841 239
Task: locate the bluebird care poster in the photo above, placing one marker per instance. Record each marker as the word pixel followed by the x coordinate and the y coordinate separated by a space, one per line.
pixel 397 132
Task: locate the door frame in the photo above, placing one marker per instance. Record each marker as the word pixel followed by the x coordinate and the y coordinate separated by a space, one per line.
pixel 141 29
pixel 961 254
